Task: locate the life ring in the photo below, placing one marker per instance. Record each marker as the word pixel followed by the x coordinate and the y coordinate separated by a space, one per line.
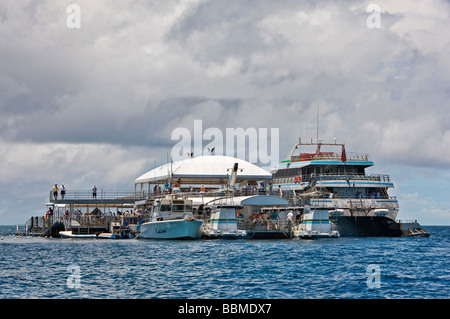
pixel 296 180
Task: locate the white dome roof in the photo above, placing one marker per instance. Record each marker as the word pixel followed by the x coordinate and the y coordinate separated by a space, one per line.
pixel 207 169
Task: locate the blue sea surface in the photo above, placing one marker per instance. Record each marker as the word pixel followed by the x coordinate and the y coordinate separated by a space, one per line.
pixel 356 268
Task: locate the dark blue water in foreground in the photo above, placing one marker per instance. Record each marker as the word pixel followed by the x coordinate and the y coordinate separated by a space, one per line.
pixel 33 267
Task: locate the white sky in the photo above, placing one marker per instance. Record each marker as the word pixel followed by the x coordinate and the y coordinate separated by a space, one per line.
pixel 97 105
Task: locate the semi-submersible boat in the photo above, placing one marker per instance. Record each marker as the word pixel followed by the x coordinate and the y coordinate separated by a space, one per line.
pixel 323 176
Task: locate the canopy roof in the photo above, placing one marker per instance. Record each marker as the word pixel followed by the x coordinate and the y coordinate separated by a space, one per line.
pixel 207 169
pixel 255 200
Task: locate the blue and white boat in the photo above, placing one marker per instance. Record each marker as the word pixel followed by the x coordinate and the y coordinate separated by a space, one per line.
pixel 171 218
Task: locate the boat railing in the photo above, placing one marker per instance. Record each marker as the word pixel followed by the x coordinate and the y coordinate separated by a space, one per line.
pixel 307 178
pixel 411 221
pixel 101 194
pixel 358 177
pixel 355 198
pixel 39 224
pixel 281 224
pixel 133 196
pixel 362 202
pixel 36 225
pixel 330 156
pixel 104 220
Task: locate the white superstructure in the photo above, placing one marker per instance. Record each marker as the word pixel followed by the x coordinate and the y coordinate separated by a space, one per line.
pixel 315 224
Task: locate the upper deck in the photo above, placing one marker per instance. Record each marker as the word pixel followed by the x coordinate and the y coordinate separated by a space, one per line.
pixel 304 154
pixel 329 156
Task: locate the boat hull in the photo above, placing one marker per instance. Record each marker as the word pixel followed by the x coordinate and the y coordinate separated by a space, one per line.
pixel 224 235
pixel 171 229
pixel 268 234
pixel 366 226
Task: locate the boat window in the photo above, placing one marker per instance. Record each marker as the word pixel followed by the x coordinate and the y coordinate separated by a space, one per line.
pixel 189 208
pixel 165 208
pixel 178 207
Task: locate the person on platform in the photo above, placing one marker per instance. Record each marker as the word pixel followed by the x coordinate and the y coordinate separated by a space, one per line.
pixel 55 191
pixel 63 191
pixel 94 192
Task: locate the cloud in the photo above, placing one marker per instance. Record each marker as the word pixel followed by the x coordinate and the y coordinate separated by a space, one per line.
pixel 82 164
pixel 28 171
pixel 413 206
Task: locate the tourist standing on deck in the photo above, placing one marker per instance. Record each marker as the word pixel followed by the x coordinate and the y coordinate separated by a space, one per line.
pixel 94 192
pixel 63 191
pixel 290 216
pixel 298 217
pixel 55 191
pixel 275 218
pixel 252 219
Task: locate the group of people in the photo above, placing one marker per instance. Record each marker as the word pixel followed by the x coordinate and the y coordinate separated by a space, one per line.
pixel 298 217
pixel 170 188
pixel 271 219
pixel 62 190
pixel 57 189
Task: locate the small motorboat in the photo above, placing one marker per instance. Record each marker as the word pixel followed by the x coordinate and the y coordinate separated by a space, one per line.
pixel 171 218
pixel 70 234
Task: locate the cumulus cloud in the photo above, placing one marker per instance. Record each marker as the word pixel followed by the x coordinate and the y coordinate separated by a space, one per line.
pixel 28 171
pixel 136 70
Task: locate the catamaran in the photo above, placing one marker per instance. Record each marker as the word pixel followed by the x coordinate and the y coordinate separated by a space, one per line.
pixel 323 176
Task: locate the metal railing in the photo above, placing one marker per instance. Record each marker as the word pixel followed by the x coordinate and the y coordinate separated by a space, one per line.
pixel 99 195
pixel 281 224
pixel 331 156
pixel 352 203
pixel 39 224
pixel 353 177
pixel 132 196
pixel 308 178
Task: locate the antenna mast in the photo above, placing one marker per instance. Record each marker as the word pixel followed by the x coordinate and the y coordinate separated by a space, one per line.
pixel 317 123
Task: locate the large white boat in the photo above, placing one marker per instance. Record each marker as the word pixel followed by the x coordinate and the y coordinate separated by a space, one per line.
pixel 325 177
pixel 171 218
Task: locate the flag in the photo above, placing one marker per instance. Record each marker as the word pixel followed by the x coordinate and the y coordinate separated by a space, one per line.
pixel 343 155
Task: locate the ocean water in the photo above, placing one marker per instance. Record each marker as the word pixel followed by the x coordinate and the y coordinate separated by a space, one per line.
pixel 356 268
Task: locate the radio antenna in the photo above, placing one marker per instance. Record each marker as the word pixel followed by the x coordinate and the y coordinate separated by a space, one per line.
pixel 317 123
